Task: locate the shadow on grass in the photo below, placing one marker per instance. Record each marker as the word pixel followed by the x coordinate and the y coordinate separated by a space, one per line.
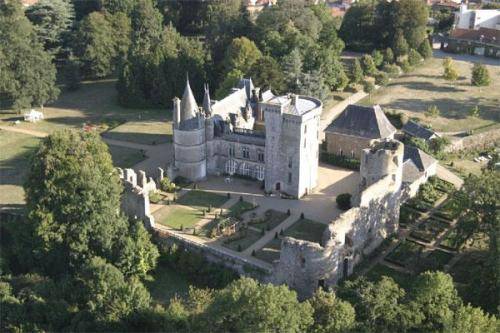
pixel 428 86
pixel 13 170
pixel 144 138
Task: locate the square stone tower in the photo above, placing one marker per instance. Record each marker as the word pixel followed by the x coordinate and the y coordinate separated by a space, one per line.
pixel 292 144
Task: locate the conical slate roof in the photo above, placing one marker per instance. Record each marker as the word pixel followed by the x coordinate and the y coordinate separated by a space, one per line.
pixel 189 107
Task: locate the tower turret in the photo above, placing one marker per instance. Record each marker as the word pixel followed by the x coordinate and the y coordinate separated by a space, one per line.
pixel 207 105
pixel 189 107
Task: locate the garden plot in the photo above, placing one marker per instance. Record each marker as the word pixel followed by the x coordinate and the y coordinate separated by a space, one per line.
pixel 448 211
pixel 270 220
pixel 429 230
pixel 436 260
pixel 408 216
pixel 453 240
pixel 307 230
pixel 241 240
pixel 270 252
pixel 406 253
pixel 239 208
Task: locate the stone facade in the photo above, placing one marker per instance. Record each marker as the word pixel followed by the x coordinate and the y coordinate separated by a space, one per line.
pixel 346 145
pixel 219 138
pixel 135 197
pixel 304 266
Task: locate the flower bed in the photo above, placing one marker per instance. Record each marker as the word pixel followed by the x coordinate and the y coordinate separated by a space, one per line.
pixel 408 216
pixel 407 252
pixel 429 230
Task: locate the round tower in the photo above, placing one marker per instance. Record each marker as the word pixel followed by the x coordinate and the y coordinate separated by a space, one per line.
pixel 189 138
pixel 384 157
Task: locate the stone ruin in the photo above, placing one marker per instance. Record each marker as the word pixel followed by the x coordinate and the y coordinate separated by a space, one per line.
pixel 135 197
pixel 305 266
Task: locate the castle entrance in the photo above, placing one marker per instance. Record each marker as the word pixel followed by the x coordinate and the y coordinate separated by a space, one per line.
pixel 278 186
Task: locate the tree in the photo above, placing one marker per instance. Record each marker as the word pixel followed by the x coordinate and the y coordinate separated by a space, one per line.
pixel 474 112
pixel 94 46
pixel 368 87
pixel 378 58
pixel 241 55
pixel 470 319
pixel 425 49
pixel 380 305
pixel 388 56
pixel 381 79
pixel 147 27
pixel 73 199
pixel 331 314
pixel 313 84
pixel 432 111
pixel 356 72
pixel 107 295
pixel 27 74
pixel 450 73
pixel 357 29
pixel 414 58
pixel 292 68
pixel 480 76
pixel 436 298
pixel 369 67
pixel 118 6
pixel 332 70
pixel 246 305
pixel 52 20
pixel 266 73
pixel 122 33
pixel 232 78
pixel 409 19
pixel 400 45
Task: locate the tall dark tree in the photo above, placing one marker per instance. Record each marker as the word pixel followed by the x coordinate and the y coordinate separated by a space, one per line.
pixel 266 74
pixel 52 20
pixel 27 75
pixel 357 29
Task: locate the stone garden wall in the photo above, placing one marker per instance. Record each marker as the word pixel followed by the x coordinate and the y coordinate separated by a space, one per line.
pixel 481 140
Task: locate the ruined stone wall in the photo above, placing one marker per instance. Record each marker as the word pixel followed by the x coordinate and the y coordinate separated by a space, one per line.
pixel 135 199
pixel 481 140
pixel 357 232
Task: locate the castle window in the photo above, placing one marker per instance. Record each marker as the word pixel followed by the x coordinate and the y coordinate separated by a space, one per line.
pixel 289 178
pixel 246 152
pixel 261 156
pixel 246 169
pixel 230 167
pixel 341 153
pixel 231 150
pixel 290 162
pixel 305 129
pixel 259 172
pixel 352 153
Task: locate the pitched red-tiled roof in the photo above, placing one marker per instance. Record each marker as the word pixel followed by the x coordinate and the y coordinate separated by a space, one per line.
pixel 482 34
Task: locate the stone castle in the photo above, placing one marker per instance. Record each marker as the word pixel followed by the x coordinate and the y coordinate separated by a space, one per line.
pixel 223 137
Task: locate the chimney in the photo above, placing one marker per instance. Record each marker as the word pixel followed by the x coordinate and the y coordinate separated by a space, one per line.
pixel 177 111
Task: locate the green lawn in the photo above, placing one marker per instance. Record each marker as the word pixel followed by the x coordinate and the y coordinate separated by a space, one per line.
pixel 166 283
pixel 306 229
pixel 415 92
pixel 176 216
pixel 15 152
pixel 202 199
pixel 244 239
pixel 145 132
pixel 124 157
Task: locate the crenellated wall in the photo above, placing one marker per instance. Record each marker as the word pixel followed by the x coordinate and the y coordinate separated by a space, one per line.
pixel 135 196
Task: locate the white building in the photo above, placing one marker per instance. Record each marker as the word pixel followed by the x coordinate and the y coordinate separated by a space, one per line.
pixel 33 116
pixel 477 18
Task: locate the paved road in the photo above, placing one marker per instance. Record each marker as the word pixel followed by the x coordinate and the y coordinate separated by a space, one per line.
pixel 449 176
pixel 467 57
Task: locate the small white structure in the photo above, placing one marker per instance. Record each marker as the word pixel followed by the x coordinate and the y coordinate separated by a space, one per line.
pixel 33 116
pixel 477 18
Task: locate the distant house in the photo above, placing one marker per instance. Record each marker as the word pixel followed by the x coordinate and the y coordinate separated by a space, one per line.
pixel 33 116
pixel 356 128
pixel 417 168
pixel 416 130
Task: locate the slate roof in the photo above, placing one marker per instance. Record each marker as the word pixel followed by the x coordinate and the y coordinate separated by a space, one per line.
pixel 415 162
pixel 367 122
pixel 416 130
pixel 189 107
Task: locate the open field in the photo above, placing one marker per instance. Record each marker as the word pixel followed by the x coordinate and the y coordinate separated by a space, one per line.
pixel 413 93
pixel 96 103
pixel 124 157
pixel 177 216
pixel 145 132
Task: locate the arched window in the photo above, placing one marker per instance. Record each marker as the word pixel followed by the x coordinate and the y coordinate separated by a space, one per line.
pixel 259 172
pixel 231 167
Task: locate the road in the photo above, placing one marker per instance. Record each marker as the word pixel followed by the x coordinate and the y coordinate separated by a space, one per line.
pixel 467 57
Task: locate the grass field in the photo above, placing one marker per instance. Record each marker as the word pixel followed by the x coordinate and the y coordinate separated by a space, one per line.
pixel 242 239
pixel 16 149
pixel 96 103
pixel 124 157
pixel 271 251
pixel 240 207
pixel 306 230
pixel 413 93
pixel 176 216
pixel 202 199
pixel 271 219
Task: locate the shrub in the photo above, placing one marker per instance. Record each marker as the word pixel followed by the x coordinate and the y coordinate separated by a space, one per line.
pixel 382 79
pixel 405 65
pixel 302 215
pixel 388 56
pixel 414 58
pixel 432 111
pixel 378 58
pixel 369 67
pixel 368 86
pixel 154 196
pixel 449 71
pixel 343 201
pixel 392 70
pixel 340 161
pixel 425 49
pixel 253 253
pixel 239 248
pixel 166 185
pixel 480 75
pixel 474 112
